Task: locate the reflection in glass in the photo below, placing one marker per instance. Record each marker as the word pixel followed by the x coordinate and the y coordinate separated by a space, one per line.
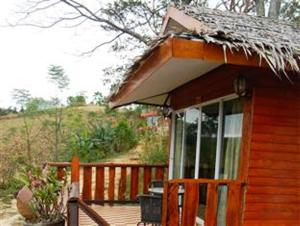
pixel 179 121
pixel 191 128
pixel 232 134
pixel 209 132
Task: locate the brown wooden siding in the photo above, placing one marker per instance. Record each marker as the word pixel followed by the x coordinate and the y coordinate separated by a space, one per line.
pixel 273 192
pixel 271 142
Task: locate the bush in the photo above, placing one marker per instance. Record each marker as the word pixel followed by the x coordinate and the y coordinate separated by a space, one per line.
pixel 125 137
pixel 154 145
pixel 102 140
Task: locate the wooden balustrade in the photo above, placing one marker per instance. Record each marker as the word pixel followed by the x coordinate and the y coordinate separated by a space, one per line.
pixel 112 182
pixel 182 201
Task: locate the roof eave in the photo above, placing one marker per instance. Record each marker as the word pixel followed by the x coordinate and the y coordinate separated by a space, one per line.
pixel 182 49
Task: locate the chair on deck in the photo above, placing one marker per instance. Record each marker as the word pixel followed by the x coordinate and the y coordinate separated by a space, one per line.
pixel 156 184
pixel 151 208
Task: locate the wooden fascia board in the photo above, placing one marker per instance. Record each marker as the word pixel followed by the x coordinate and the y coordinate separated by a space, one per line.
pixel 188 49
pixel 181 49
pixel 186 21
pixel 159 57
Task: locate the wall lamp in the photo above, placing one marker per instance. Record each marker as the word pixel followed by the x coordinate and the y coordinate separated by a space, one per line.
pixel 241 86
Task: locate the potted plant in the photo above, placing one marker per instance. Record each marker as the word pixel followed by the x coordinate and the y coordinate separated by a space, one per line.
pixel 41 201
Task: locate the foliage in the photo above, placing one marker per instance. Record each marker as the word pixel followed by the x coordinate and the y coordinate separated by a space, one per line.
pixel 102 140
pixel 7 111
pixel 58 77
pixel 124 137
pixel 99 98
pixel 78 100
pixel 291 11
pixel 154 146
pixel 47 202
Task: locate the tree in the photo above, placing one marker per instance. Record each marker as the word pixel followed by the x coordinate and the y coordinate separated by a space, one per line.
pixel 59 78
pixel 31 107
pixel 99 98
pixel 78 100
pixel 133 24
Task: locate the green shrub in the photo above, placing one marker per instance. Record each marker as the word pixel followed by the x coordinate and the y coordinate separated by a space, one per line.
pixel 125 137
pixel 102 140
pixel 154 146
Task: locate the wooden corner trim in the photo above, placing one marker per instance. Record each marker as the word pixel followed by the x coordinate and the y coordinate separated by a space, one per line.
pixel 186 21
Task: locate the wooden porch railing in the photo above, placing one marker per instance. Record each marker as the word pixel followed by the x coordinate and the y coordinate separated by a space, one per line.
pixel 111 182
pixel 183 209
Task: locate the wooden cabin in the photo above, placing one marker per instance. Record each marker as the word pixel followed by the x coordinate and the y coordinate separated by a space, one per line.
pixel 232 86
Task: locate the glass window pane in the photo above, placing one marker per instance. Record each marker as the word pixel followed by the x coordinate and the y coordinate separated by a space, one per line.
pixel 208 143
pixel 191 128
pixel 179 121
pixel 232 134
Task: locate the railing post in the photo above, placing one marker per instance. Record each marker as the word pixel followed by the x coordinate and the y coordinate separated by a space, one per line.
pixel 211 205
pixel 73 212
pixel 75 171
pixel 164 215
pixel 233 205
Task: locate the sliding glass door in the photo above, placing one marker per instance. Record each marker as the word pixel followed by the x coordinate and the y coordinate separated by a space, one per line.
pixel 206 144
pixel 206 141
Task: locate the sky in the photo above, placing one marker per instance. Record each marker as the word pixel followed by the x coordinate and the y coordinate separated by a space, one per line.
pixel 26 53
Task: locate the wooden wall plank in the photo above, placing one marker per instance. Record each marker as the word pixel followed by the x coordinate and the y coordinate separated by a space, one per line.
pixel 99 190
pixel 87 183
pixel 271 198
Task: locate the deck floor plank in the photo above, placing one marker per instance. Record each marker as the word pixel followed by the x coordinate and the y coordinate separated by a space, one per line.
pixel 116 215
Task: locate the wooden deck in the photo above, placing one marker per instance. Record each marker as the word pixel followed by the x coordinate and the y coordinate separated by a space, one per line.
pixel 115 215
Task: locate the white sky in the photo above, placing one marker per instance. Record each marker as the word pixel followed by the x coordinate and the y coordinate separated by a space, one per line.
pixel 26 53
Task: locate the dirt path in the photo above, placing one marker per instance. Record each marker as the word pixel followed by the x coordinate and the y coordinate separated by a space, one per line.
pixel 9 215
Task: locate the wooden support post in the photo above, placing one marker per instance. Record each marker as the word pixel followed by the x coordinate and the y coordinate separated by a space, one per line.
pixel 75 171
pixel 73 213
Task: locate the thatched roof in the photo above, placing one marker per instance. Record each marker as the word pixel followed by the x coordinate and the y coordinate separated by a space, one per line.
pixel 276 42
